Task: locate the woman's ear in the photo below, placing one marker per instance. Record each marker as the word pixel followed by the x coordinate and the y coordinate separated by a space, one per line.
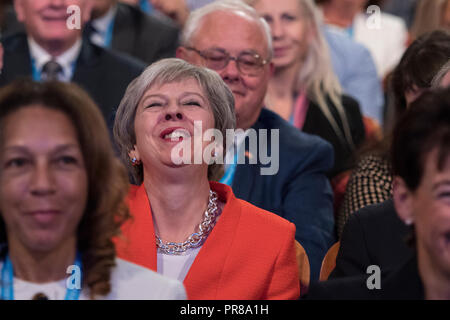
pixel 403 200
pixel 134 155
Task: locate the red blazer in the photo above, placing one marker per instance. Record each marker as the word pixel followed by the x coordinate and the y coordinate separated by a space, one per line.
pixel 250 253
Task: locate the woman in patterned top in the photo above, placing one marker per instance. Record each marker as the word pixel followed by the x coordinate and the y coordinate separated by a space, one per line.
pixel 371 180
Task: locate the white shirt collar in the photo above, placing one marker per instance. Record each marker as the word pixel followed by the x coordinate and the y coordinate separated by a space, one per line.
pixel 66 60
pixel 101 26
pixel 239 138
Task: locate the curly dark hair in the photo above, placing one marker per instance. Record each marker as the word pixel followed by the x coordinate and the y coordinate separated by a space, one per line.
pixel 108 182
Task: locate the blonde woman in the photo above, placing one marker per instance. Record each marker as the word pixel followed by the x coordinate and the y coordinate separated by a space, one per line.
pixel 304 89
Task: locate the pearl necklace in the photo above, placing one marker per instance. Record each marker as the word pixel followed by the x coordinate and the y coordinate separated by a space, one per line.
pixel 196 239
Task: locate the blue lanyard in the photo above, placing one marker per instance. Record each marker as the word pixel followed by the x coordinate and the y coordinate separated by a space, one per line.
pixel 109 34
pixel 35 72
pixel 229 172
pixel 146 6
pixel 351 31
pixel 7 292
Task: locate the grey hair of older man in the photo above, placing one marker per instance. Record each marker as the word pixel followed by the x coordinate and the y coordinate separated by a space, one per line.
pixel 234 6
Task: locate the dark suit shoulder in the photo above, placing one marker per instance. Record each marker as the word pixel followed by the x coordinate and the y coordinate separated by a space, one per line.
pixel 116 62
pixel 400 283
pixel 145 20
pixel 12 41
pixel 349 288
pixel 374 218
pixel 144 36
pixel 373 235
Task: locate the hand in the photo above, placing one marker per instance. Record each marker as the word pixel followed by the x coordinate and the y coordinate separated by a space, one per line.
pixel 177 10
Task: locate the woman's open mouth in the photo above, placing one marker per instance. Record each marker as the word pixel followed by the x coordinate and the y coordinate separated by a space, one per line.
pixel 175 134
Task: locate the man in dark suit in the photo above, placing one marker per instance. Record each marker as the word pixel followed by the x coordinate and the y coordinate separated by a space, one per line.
pixel 50 50
pixel 127 29
pixel 374 235
pixel 298 189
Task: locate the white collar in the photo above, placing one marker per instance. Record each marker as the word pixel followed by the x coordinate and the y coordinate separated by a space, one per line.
pixel 66 59
pixel 239 138
pixel 101 24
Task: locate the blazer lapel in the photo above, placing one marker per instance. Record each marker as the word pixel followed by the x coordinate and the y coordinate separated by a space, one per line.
pixel 85 69
pixel 246 174
pixel 139 246
pixel 203 278
pixel 123 38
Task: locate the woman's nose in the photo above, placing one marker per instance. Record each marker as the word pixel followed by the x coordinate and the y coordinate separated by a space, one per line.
pixel 174 116
pixel 277 29
pixel 42 182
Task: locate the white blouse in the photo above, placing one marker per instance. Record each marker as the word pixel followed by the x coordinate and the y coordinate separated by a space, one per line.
pixel 128 282
pixel 176 266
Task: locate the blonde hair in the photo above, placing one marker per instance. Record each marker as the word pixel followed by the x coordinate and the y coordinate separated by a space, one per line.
pixel 428 17
pixel 317 77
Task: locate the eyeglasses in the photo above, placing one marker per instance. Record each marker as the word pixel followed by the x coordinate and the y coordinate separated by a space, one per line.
pixel 248 63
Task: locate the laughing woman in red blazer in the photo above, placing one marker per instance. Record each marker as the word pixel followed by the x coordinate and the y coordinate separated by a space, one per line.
pixel 183 225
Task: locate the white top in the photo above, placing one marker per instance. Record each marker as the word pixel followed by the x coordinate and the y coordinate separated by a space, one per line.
pixel 386 42
pixel 128 282
pixel 176 266
pixel 66 60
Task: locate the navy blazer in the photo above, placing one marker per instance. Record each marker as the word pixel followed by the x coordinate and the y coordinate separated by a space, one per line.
pixel 300 192
pixel 374 235
pixel 104 74
pixel 136 33
pixel 401 283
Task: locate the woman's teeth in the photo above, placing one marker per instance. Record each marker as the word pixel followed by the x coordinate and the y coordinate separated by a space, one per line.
pixel 177 134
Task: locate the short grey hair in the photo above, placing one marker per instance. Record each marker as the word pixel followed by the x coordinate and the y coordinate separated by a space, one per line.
pixel 165 71
pixel 237 7
pixel 436 83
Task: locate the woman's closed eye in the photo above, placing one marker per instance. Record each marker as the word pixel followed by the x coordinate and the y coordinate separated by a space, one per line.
pixel 17 162
pixel 192 103
pixel 288 17
pixel 67 161
pixel 153 104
